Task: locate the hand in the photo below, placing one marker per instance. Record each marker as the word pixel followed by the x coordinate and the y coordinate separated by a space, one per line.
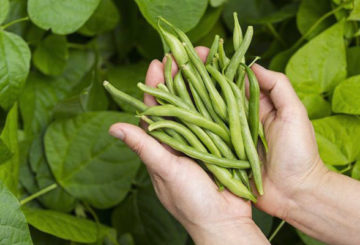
pixel 185 189
pixel 293 160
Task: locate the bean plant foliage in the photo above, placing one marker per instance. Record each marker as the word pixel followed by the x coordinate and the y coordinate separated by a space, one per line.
pixel 64 180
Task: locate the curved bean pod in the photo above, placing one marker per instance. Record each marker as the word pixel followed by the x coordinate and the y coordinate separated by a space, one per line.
pixel 181 89
pixel 167 74
pixel 213 50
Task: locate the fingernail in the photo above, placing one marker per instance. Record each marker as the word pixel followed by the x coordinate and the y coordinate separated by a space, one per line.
pixel 117 133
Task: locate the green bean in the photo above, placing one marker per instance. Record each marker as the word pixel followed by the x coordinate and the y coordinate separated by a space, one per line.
pixel 249 144
pixel 213 50
pixel 241 174
pixel 224 60
pixel 181 129
pixel 262 137
pixel 163 87
pixel 175 45
pixel 198 102
pixel 196 154
pixel 254 106
pixel 194 78
pixel 168 75
pixel 181 89
pixel 189 116
pixel 216 62
pixel 237 34
pixel 239 54
pixel 121 97
pixel 254 61
pixel 233 112
pixel 163 95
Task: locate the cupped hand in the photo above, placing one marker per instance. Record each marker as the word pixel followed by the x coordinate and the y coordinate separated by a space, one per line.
pixel 184 188
pixel 292 162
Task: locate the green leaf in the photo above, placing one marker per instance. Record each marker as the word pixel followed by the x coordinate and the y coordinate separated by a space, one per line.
pixel 308 240
pixel 64 226
pixel 14 67
pixel 51 55
pixel 321 64
pixel 5 153
pixel 43 93
pixel 4 10
pixel 353 60
pixel 93 98
pixel 125 78
pixel 309 12
pixel 286 12
pixel 316 105
pixel 104 19
pixel 62 17
pixel 13 228
pixel 87 162
pixel 57 199
pixel 355 13
pixel 17 10
pixel 247 10
pixel 217 3
pixel 185 15
pixel 355 172
pixel 280 60
pixel 262 220
pixel 338 139
pixel 142 215
pixel 205 25
pixel 9 171
pixel 346 97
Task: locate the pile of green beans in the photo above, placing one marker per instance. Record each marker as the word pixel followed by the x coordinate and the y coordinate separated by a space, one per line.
pixel 203 111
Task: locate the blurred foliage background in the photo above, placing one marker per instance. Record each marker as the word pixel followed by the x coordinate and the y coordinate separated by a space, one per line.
pixel 55 114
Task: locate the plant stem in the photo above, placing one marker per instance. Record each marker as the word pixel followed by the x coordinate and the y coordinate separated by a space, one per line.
pixel 276 34
pixel 276 231
pixel 15 22
pixel 39 193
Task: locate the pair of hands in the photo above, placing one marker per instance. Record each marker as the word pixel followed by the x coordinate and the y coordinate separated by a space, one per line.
pixel 291 165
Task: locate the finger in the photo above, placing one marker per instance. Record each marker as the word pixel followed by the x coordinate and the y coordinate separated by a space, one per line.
pixel 154 76
pixel 202 52
pixel 156 158
pixel 278 86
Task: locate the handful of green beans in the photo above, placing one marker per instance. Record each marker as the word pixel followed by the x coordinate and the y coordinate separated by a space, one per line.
pixel 211 121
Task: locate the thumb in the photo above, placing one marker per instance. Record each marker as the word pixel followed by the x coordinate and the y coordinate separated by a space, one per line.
pixel 156 158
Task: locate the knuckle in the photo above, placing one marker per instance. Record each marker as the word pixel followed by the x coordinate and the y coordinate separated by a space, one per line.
pixel 138 148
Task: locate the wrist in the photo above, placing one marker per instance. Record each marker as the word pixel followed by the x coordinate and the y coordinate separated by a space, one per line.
pixel 242 231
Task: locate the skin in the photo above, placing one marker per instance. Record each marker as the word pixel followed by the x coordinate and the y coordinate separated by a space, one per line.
pixel 298 187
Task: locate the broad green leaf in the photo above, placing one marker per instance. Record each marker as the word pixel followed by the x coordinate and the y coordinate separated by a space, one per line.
pixel 4 10
pixel 321 64
pixel 64 226
pixel 262 220
pixel 43 93
pixel 205 25
pixel 142 215
pixel 355 172
pixel 51 55
pixel 316 105
pixel 309 12
pixel 247 10
pixel 87 162
pixel 355 13
pixel 13 228
pixel 184 14
pixel 34 34
pixel 346 97
pixel 338 139
pixel 353 60
pixel 104 19
pixel 9 171
pixel 280 60
pixel 57 199
pixel 286 12
pixel 14 67
pixel 93 98
pixel 217 3
pixel 62 17
pixel 5 152
pixel 126 78
pixel 308 240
